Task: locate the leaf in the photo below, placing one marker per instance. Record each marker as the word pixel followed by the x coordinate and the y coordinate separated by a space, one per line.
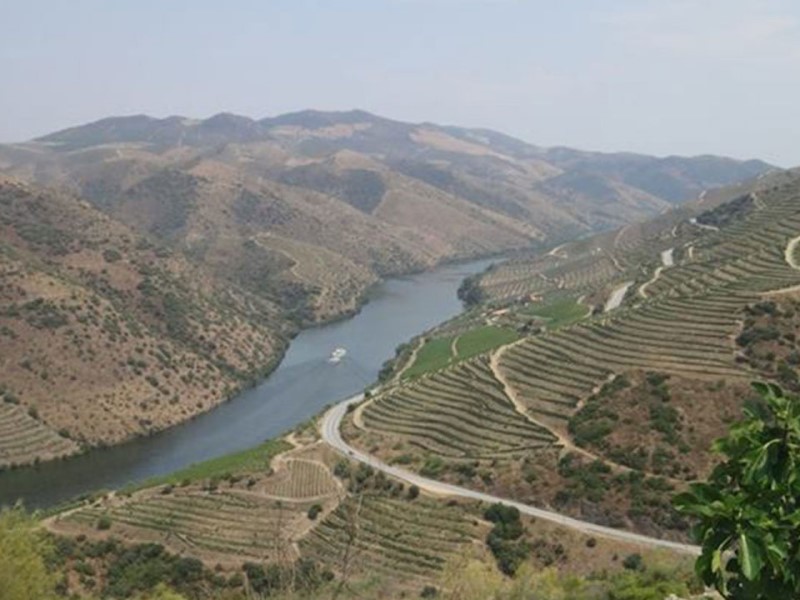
pixel 762 388
pixel 716 561
pixel 776 554
pixel 750 557
pixel 758 461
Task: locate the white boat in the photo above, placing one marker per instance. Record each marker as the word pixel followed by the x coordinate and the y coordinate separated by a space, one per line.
pixel 337 355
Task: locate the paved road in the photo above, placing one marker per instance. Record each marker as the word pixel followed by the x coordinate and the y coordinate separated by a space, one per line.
pixel 330 428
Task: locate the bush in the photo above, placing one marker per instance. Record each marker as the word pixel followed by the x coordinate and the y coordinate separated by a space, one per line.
pixel 104 523
pixel 633 562
pixel 429 592
pixel 314 511
pixel 342 469
pixel 111 255
pixel 434 465
pixel 413 492
pixel 504 538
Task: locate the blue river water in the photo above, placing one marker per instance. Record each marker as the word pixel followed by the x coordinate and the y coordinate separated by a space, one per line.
pixel 302 385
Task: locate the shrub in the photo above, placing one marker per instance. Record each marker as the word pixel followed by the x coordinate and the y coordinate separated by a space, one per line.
pixel 111 255
pixel 104 523
pixel 342 469
pixel 314 511
pixel 633 562
pixel 433 466
pixel 504 538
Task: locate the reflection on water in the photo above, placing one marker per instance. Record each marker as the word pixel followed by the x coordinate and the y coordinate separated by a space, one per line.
pixel 299 388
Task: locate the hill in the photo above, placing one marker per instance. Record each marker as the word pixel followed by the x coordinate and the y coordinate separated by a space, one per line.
pixel 591 380
pixel 106 334
pixel 152 267
pixel 447 191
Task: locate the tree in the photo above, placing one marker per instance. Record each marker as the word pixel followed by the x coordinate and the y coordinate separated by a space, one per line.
pixel 24 573
pixel 748 512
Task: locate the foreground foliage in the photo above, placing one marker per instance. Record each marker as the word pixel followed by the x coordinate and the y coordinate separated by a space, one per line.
pixel 749 510
pixel 477 581
pixel 24 552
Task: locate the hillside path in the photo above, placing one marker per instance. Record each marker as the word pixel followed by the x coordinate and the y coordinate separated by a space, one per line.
pixel 519 406
pixel 617 296
pixel 667 261
pixel 789 253
pixel 789 257
pixel 330 429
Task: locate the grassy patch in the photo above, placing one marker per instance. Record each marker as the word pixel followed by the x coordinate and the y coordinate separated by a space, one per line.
pixel 558 313
pixel 252 459
pixel 482 339
pixel 437 353
pixel 434 355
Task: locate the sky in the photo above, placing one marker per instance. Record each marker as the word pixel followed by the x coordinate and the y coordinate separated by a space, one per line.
pixel 656 76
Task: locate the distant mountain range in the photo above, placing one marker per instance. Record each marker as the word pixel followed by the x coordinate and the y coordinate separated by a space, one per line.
pixel 166 261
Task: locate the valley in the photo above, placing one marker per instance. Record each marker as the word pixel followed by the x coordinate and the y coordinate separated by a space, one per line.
pixel 585 418
pixel 148 278
pixel 154 268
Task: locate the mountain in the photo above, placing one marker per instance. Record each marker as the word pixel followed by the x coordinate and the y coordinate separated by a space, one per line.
pixel 152 267
pixel 362 159
pixel 106 334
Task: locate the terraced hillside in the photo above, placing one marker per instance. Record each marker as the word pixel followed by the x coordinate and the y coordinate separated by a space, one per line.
pixel 227 517
pixel 106 334
pixel 299 508
pixel 23 439
pixel 620 406
pixel 388 536
pixel 459 412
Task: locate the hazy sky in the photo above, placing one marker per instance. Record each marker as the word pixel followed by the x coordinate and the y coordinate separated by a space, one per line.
pixel 663 77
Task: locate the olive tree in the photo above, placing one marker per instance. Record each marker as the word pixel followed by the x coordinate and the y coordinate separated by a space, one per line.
pixel 748 512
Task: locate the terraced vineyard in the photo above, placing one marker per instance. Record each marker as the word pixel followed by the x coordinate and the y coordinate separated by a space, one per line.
pixel 229 523
pixel 684 327
pixel 578 274
pixel 245 520
pixel 388 536
pixel 302 479
pixel 460 412
pixel 22 438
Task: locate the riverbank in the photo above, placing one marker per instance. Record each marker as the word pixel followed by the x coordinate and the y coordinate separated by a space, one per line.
pixel 301 385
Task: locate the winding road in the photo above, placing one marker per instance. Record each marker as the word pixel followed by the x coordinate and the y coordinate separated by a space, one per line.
pixel 330 429
pixel 666 262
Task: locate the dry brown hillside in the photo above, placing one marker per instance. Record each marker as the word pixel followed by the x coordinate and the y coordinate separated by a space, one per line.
pixel 105 335
pixel 407 195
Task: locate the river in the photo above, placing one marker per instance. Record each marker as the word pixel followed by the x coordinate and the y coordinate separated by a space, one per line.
pixel 299 388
